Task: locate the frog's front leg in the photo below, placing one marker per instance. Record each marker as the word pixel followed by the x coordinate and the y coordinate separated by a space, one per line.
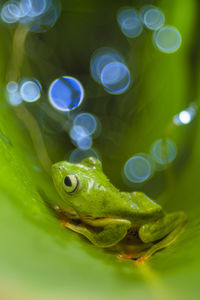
pixel 166 229
pixel 113 231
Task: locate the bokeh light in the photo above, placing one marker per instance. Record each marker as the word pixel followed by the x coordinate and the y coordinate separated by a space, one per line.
pixel 87 121
pixel 154 19
pixel 37 15
pixel 78 132
pixel 124 13
pixel 163 151
pixel 129 22
pixel 30 91
pixel 144 9
pixel 25 7
pixel 10 12
pixel 186 116
pixel 34 7
pixel 167 39
pixel 14 98
pixel 47 20
pixel 100 59
pixel 139 168
pixel 115 78
pixel 12 87
pixel 80 137
pixel 12 94
pixel 84 143
pixel 66 93
pixel 78 155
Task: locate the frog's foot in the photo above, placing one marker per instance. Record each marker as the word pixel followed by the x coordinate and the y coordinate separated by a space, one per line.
pixel 69 223
pixel 133 252
pixel 64 222
pixel 127 256
pixel 171 226
pixel 111 232
pixel 141 259
pixel 69 214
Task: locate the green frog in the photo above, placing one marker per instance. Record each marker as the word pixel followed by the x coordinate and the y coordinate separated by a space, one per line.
pixel 107 216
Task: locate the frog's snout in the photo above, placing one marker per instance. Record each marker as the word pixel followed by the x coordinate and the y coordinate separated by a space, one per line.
pixel 57 174
pixel 56 168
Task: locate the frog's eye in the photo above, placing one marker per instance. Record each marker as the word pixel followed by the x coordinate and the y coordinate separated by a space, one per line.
pixel 71 183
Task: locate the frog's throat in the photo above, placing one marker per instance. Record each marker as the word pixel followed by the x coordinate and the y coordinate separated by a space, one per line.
pixel 74 215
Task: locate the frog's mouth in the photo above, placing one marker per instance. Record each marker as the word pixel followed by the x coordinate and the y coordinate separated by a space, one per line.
pixel 72 214
pixel 84 218
pixel 56 171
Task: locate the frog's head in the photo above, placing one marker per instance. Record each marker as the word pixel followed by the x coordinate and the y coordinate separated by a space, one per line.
pixel 83 186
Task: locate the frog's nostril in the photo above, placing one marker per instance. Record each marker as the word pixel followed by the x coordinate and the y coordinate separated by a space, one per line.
pixel 56 168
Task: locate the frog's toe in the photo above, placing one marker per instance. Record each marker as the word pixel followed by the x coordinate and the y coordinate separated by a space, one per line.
pixel 136 258
pixel 128 256
pixel 64 222
pixel 141 259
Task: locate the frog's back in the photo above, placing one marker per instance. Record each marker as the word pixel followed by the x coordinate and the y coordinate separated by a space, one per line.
pixel 139 208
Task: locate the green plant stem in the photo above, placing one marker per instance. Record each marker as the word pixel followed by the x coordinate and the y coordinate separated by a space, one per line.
pixel 13 74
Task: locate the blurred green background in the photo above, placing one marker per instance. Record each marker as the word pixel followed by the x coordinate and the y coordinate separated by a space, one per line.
pixel 39 258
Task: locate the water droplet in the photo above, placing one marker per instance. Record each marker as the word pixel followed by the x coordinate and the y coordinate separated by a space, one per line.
pixel 66 93
pixel 154 19
pixel 12 87
pixel 139 168
pixel 78 155
pixel 100 59
pixel 14 98
pixel 78 132
pixel 167 39
pixel 129 22
pixel 115 78
pixel 186 116
pixel 30 91
pixel 87 121
pixel 10 12
pixel 84 143
pixel 163 151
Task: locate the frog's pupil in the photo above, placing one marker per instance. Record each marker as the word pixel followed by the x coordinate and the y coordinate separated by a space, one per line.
pixel 67 181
